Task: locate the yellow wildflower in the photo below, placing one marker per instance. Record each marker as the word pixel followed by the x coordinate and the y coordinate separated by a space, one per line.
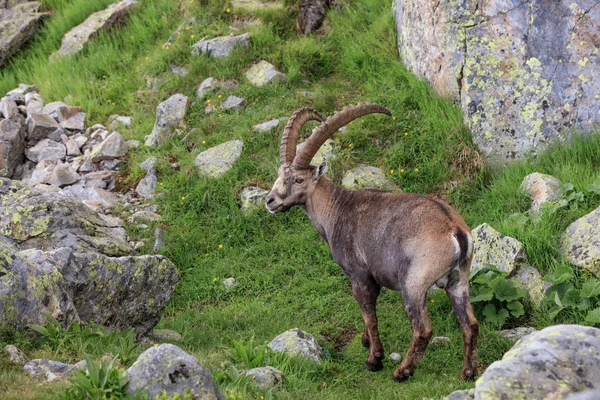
pixel 416 169
pixel 219 96
pixel 350 145
pixel 391 171
pixel 146 58
pixel 228 10
pixel 394 117
pixel 192 36
pixel 214 279
pixel 204 142
pixel 155 344
pixel 405 133
pixel 187 28
pixel 206 255
pixel 208 100
pixel 182 197
pixel 401 171
pixel 220 246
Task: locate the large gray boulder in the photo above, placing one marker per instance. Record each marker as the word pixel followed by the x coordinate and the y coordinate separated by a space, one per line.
pixel 549 364
pixel 17 25
pixel 221 46
pixel 580 243
pixel 12 146
pixel 217 160
pixel 168 113
pixel 295 342
pixel 74 40
pixel 170 369
pixel 518 90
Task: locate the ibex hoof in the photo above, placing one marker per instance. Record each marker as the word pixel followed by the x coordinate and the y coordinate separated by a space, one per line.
pixel 467 375
pixel 374 367
pixel 403 376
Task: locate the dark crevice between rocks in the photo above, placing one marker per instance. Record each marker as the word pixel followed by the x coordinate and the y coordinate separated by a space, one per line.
pixel 461 72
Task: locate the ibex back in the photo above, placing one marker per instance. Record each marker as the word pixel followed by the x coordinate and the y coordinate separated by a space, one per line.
pixel 401 241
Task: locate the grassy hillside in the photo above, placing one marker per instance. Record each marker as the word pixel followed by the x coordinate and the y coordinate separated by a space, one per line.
pixel 286 276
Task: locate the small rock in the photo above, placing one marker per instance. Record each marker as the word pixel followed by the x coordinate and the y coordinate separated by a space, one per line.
pixel 593 394
pixel 142 227
pixel 149 165
pixel 541 188
pixel 440 340
pixel 147 185
pixel 269 126
pixel 41 173
pixel 66 112
pixel 366 176
pixel 12 145
pixel 46 149
pixel 325 154
pixel 170 369
pixel 208 85
pixel 138 245
pixel 253 198
pixel 73 148
pixel 16 356
pixel 18 94
pixel 467 394
pixel 217 160
pixel 221 46
pixel 233 103
pixel 179 70
pixel 162 335
pixel 517 333
pixel 263 73
pixel 40 125
pixel 8 108
pixel 396 357
pixel 229 283
pixel 145 216
pixel 34 103
pixel 111 165
pixel 51 109
pixel 159 240
pixel 112 147
pixel 63 175
pixel 117 121
pixel 265 377
pixel 100 179
pixel 90 195
pixel 75 123
pixel 51 370
pixel 529 279
pixel 580 243
pixel 297 343
pixel 168 113
pixel 492 247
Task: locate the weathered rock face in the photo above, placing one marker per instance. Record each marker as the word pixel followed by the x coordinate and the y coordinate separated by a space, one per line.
pixel 221 46
pixel 217 160
pixel 266 377
pixel 517 333
pixel 324 154
pixel 262 73
pixel 581 242
pixel 52 370
pixel 541 188
pixel 517 89
pixel 297 343
pixel 492 247
pixel 17 25
pixel 167 367
pixel 76 38
pixel 168 113
pixel 233 103
pixel 551 363
pixel 12 146
pixel 253 198
pixel 366 176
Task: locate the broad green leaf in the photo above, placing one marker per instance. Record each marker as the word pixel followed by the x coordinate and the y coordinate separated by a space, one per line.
pixel 594 187
pixel 505 290
pixel 516 308
pixel 559 275
pixel 571 298
pixel 484 278
pixel 593 317
pixel 497 318
pixel 591 288
pixel 484 295
pixel 557 300
pixel 552 313
pixel 489 312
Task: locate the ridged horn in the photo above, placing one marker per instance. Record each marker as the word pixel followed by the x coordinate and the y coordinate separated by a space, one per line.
pixel 287 149
pixel 327 128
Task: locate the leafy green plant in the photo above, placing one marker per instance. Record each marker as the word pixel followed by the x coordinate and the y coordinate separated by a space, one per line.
pixel 59 337
pixel 187 395
pixel 100 381
pixel 495 297
pixel 247 353
pixel 564 296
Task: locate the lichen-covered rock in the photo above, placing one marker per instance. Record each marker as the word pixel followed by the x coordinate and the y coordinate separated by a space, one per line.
pixel 161 335
pixel 147 185
pixel 217 160
pixel 467 394
pixel 325 153
pixel 17 25
pixel 15 356
pixel 12 146
pixel 114 146
pixel 253 198
pixel 170 369
pixel 52 370
pixel 266 377
pixel 518 90
pixel 529 279
pixel 580 243
pixel 233 103
pixel 541 188
pixel 593 394
pixel 552 363
pixel 263 73
pixel 440 340
pixel 205 87
pixel 366 176
pixel 75 122
pixel 74 40
pixel 268 126
pixel 168 113
pixel 117 121
pixel 229 283
pixel 221 46
pixel 297 343
pixel 492 247
pixel 517 333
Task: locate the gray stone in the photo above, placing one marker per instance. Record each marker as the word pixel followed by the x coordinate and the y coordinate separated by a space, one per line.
pixel 145 216
pixel 18 94
pixel 90 195
pixel 229 283
pixel 74 40
pixel 41 173
pixel 467 394
pixel 168 113
pixel 253 198
pixel 51 370
pixel 34 103
pixel 269 126
pixel 366 176
pixel 73 148
pixel 492 247
pixel 529 279
pixel 39 126
pixel 17 26
pixel 217 160
pixel 541 188
pixel 12 146
pixel 8 108
pixel 170 369
pixel 580 243
pixel 149 165
pixel 162 335
pixel 147 185
pixel 325 154
pixel 440 340
pixel 57 134
pixel 51 109
pixel 517 333
pixel 233 103
pixel 179 70
pixel 593 394
pixel 46 149
pixel 263 73
pixel 295 342
pixel 221 46
pixel 15 356
pixel 265 377
pixel 63 175
pixel 518 90
pixel 159 240
pixel 65 112
pixel 208 85
pixel 549 364
pixel 396 357
pixel 112 147
pixel 74 123
pixel 117 121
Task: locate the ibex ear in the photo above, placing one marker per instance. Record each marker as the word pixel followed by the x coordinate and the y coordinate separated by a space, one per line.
pixel 320 171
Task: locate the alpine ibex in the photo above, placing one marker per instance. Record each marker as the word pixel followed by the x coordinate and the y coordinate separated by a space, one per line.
pixel 402 241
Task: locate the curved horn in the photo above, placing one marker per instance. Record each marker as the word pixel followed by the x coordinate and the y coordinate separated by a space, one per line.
pixel 287 149
pixel 321 133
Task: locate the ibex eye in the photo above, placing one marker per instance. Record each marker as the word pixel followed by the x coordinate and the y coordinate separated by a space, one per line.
pixel 299 180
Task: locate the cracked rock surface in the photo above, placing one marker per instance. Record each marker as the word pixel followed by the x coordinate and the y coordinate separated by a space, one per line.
pixel 518 90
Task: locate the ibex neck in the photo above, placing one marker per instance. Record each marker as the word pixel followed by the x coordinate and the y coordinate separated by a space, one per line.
pixel 320 207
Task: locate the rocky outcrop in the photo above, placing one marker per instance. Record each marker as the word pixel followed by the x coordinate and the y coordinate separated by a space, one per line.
pixel 52 370
pixel 222 46
pixel 580 243
pixel 234 103
pixel 295 342
pixel 217 160
pixel 170 369
pixel 518 90
pixel 17 25
pixel 262 73
pixel 74 40
pixel 169 113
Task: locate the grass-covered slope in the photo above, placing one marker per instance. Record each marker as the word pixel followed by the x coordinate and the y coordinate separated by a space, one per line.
pixel 286 276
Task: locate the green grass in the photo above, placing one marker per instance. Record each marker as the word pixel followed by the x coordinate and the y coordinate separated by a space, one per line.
pixel 286 275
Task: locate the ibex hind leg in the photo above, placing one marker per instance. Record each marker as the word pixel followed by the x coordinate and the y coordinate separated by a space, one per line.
pixel 366 292
pixel 458 292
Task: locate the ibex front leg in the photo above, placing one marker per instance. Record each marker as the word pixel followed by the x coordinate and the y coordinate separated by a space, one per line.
pixel 366 293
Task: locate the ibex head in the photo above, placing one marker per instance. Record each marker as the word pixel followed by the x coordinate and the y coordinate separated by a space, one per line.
pixel 297 179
